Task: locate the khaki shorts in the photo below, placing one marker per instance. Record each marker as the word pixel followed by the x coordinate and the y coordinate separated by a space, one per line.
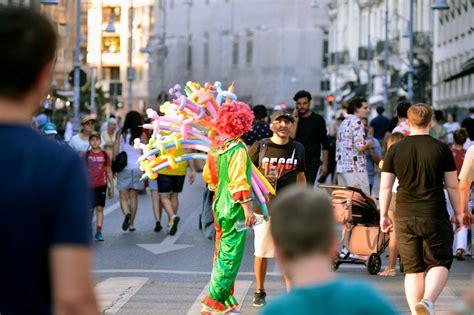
pixel 354 179
pixel 391 207
pixel 263 241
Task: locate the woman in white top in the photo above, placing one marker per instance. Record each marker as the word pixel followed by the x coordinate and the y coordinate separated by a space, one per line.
pixel 108 136
pixel 128 180
pixel 451 125
pixel 80 142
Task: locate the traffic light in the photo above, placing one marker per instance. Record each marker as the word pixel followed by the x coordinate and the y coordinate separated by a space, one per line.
pixel 330 99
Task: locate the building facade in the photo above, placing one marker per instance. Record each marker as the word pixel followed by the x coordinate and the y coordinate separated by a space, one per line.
pixel 356 48
pixel 109 52
pixel 270 49
pixel 453 58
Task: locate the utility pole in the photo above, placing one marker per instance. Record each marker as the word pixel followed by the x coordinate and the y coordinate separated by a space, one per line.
pixel 410 55
pixel 130 71
pixel 369 52
pixel 385 59
pixel 77 68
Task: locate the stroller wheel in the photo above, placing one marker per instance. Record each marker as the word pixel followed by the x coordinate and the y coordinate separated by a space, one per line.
pixel 374 264
pixel 335 265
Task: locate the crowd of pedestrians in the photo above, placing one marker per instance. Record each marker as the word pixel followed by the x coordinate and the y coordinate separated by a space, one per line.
pixel 423 161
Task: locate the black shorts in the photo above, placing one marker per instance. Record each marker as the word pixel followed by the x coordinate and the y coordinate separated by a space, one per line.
pixel 99 195
pixel 424 243
pixel 170 184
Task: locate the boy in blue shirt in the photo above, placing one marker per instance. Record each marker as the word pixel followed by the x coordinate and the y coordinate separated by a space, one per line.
pixel 304 236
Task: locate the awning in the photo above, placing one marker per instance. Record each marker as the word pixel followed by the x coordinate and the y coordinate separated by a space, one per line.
pixel 467 68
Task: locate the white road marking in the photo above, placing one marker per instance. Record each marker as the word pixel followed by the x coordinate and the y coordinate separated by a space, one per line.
pixel 241 289
pixel 168 244
pixel 113 293
pixel 177 272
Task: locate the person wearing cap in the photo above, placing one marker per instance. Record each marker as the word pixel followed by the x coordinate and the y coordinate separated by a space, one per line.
pixel 260 128
pixel 282 162
pixel 50 131
pixel 80 142
pixel 310 129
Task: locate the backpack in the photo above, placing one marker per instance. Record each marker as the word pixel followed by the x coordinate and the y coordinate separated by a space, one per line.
pixel 88 152
pixel 263 146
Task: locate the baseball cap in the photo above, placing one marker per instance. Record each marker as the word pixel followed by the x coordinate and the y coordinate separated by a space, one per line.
pixel 94 134
pixel 86 118
pixel 50 129
pixel 41 120
pixel 282 114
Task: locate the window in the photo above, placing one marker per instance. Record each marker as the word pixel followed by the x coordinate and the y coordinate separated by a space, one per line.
pixel 111 73
pixel 249 48
pixel 111 44
pixel 235 51
pixel 325 53
pixel 205 42
pixel 189 57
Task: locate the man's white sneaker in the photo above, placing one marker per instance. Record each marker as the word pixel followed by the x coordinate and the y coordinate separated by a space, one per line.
pixel 424 307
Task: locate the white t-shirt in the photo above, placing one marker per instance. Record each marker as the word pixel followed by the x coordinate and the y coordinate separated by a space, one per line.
pixel 79 145
pixel 451 127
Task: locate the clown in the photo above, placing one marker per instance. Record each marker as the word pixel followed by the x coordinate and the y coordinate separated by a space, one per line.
pixel 228 173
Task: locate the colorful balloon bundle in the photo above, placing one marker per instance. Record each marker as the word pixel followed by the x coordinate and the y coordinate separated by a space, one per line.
pixel 189 123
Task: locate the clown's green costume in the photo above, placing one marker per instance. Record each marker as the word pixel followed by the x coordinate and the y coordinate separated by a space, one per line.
pixel 228 173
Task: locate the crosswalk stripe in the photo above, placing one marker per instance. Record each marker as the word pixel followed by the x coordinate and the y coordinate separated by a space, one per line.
pixel 113 293
pixel 240 291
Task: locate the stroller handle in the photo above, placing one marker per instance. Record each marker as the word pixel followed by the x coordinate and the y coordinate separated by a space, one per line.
pixel 341 187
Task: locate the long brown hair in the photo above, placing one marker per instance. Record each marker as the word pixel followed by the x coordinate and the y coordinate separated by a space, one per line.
pixel 133 124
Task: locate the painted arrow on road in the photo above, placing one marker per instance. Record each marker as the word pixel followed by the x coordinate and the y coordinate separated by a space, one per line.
pixel 168 244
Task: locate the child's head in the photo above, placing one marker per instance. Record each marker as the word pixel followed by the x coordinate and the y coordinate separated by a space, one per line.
pixel 94 140
pixel 394 138
pixel 460 136
pixel 302 224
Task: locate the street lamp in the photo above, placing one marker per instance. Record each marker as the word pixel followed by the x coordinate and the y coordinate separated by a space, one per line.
pixel 130 71
pixel 49 2
pixel 440 5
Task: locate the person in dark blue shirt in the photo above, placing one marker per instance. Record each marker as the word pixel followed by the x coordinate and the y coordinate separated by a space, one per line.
pixel 260 128
pixel 44 196
pixel 379 125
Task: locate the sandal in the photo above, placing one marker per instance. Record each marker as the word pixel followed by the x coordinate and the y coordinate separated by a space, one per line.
pixel 388 272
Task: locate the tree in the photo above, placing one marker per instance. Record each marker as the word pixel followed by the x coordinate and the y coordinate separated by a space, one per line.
pixel 100 99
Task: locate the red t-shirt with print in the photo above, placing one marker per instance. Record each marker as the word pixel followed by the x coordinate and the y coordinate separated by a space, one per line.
pixel 458 157
pixel 96 167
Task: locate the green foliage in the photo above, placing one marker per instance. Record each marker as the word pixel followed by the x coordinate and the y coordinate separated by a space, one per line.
pixel 100 99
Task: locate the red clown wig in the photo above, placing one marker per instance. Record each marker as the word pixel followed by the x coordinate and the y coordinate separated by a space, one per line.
pixel 234 119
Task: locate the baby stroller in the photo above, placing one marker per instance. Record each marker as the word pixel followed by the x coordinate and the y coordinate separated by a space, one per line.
pixel 362 241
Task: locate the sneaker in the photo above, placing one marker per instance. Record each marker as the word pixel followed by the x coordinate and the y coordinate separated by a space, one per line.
pixel 126 222
pixel 174 225
pixel 99 237
pixel 158 226
pixel 259 298
pixel 132 228
pixel 424 307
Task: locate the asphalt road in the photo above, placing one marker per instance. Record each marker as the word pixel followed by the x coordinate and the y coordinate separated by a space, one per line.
pixel 145 272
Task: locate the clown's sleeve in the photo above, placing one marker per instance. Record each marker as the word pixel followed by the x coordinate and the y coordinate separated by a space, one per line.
pixel 239 186
pixel 206 173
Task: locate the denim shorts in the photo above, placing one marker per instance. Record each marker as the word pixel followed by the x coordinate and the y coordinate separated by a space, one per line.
pixel 130 179
pixel 424 243
pixel 153 184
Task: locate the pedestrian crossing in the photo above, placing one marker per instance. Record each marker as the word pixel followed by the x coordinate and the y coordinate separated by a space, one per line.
pixel 143 295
